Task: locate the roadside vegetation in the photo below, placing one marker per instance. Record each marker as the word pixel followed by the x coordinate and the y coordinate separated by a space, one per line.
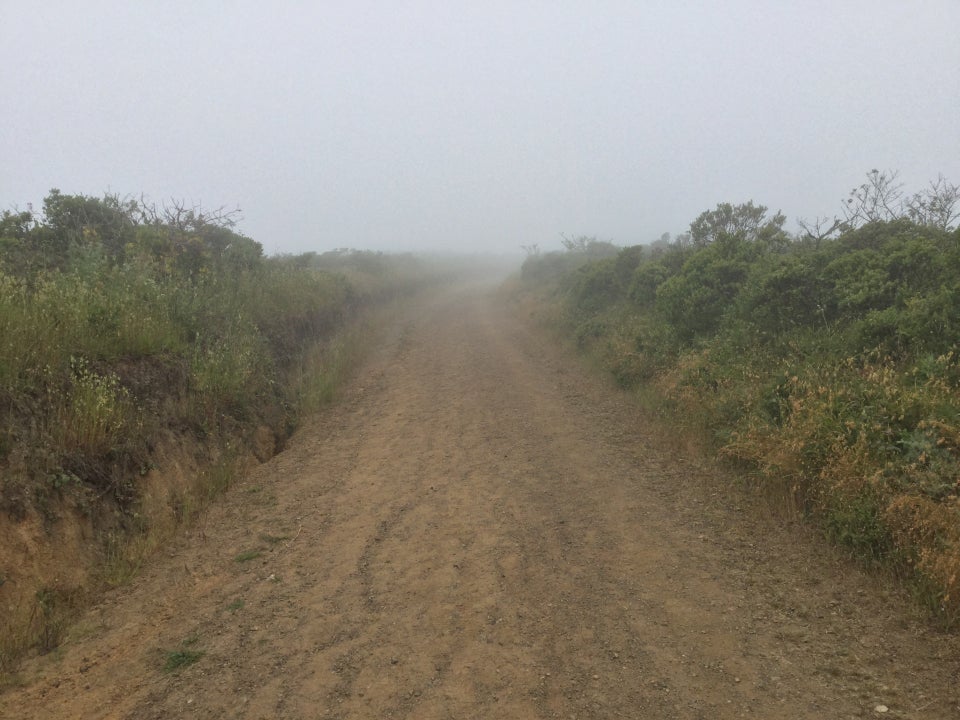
pixel 825 365
pixel 130 335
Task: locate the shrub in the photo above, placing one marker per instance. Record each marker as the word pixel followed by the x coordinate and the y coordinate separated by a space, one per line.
pixel 829 369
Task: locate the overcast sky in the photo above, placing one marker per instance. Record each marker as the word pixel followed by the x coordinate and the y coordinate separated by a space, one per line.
pixel 475 125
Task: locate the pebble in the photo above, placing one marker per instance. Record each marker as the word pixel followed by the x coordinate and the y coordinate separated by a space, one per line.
pixel 881 709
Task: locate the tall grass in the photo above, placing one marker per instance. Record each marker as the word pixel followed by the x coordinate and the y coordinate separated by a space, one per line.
pixel 184 331
pixel 80 349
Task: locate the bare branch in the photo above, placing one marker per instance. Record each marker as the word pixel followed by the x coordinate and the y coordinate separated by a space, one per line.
pixel 818 229
pixel 938 206
pixel 879 198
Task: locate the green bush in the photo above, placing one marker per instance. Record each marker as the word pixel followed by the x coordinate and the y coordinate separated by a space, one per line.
pixel 118 320
pixel 830 368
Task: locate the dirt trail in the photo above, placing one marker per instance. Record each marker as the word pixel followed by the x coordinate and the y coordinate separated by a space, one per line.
pixel 480 529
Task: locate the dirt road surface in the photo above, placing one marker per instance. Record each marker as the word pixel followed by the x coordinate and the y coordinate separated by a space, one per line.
pixel 480 528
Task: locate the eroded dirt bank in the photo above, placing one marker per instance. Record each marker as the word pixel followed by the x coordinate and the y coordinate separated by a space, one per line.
pixel 480 530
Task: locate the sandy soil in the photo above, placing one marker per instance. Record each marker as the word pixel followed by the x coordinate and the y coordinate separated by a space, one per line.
pixel 482 529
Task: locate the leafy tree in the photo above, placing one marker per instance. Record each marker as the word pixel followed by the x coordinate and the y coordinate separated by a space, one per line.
pixel 16 229
pixel 16 225
pixel 695 299
pixel 746 222
pixel 78 220
pixel 661 244
pixel 589 246
pixel 785 292
pixel 604 282
pixel 646 279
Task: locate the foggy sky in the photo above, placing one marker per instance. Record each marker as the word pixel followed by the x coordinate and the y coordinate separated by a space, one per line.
pixel 469 125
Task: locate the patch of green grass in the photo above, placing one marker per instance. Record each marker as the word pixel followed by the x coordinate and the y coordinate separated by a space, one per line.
pixel 179 659
pixel 247 555
pixel 273 539
pixel 236 605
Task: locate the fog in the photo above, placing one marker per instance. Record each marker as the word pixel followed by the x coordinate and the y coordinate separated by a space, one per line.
pixel 475 126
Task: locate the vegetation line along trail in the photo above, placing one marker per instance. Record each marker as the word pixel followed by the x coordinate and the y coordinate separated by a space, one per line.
pixel 480 529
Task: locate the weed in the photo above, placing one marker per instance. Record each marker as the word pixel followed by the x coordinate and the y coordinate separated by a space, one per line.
pixel 184 656
pixel 97 414
pixel 856 522
pixel 236 605
pixel 273 539
pixel 41 623
pixel 247 556
pixel 219 476
pixel 51 625
pixel 14 639
pixel 178 659
pixel 123 556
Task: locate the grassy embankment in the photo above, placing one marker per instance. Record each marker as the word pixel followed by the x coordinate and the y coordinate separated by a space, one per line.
pixel 827 369
pixel 132 341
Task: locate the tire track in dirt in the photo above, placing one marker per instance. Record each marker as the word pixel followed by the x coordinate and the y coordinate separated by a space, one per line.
pixel 482 529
